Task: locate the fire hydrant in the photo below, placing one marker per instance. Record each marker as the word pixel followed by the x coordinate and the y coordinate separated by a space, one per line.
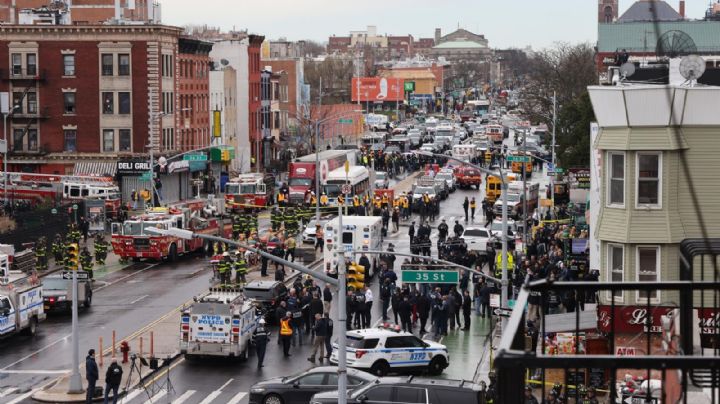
pixel 125 349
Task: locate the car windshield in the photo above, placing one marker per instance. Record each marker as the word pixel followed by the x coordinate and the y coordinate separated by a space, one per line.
pixel 332 190
pixel 443 176
pixel 247 188
pixel 54 284
pixel 476 233
pixel 380 175
pixel 138 228
pixel 423 190
pixel 300 182
pixel 513 198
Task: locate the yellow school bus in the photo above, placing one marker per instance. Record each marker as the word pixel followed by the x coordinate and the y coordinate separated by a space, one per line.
pixel 493 186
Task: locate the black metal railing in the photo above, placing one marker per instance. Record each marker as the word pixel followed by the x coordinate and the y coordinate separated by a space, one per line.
pixel 665 348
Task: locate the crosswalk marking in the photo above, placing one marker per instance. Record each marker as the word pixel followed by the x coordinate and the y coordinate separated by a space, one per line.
pixel 156 398
pixel 238 397
pixel 132 394
pixel 8 391
pixel 209 399
pixel 184 397
pixel 23 397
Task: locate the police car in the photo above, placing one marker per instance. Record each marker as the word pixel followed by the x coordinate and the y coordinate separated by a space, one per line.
pixel 386 348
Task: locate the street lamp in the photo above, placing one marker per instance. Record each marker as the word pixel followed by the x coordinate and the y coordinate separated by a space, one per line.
pixel 499 174
pixel 339 283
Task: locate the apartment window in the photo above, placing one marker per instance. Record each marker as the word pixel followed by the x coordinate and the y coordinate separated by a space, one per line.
pixel 167 66
pixel 616 263
pixel 70 136
pixel 18 103
pixel 123 64
pixel 31 64
pixel 123 103
pixel 125 140
pixel 68 65
pixel 69 101
pixel 648 179
pixel 16 64
pixel 108 106
pixel 648 269
pixel 107 64
pixel 108 140
pixel 18 135
pixel 32 139
pixel 616 179
pixel 32 102
pixel 276 120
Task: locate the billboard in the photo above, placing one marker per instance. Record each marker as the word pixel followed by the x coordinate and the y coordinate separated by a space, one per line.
pixel 377 89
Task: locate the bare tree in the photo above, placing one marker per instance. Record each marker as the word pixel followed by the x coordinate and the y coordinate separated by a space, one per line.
pixel 567 70
pixel 336 76
pixel 313 48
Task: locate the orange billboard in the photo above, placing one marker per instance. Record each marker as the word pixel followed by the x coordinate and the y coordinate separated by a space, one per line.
pixel 377 89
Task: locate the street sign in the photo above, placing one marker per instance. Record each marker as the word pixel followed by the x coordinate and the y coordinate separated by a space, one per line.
pixel 502 312
pixel 3 146
pixel 346 189
pixel 145 176
pixel 346 121
pixel 81 275
pixel 559 170
pixel 195 157
pixel 414 276
pixel 409 86
pixel 53 211
pixel 518 159
pixel 75 207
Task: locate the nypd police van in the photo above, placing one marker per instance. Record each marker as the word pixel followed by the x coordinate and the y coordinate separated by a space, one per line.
pixel 386 349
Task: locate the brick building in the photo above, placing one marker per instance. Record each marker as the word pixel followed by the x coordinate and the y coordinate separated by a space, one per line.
pixel 85 11
pixel 193 120
pixel 338 44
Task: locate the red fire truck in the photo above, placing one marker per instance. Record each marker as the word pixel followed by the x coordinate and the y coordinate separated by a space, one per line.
pixel 131 239
pixel 249 192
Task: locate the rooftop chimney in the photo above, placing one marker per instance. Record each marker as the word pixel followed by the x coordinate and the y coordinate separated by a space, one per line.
pixel 437 36
pixel 681 9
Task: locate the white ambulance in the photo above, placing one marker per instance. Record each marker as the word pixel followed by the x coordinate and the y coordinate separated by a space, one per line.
pixel 359 233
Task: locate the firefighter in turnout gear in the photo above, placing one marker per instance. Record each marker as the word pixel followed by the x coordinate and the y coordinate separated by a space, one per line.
pixel 224 268
pixel 86 262
pixel 58 249
pixel 241 268
pixel 101 249
pixel 291 221
pixel 253 225
pixel 275 219
pixel 41 254
pixel 236 228
pixel 73 235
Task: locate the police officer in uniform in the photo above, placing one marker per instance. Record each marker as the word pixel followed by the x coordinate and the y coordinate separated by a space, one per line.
pixel 261 336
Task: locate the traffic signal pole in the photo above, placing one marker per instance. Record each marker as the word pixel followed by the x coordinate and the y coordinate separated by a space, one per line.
pixel 75 386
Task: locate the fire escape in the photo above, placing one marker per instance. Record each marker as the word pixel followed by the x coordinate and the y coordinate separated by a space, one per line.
pixel 25 81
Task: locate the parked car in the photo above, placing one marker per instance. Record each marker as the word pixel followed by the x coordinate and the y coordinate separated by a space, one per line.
pixel 268 295
pixel 58 296
pixel 409 390
pixel 299 388
pixel 476 238
pixel 449 179
pixel 308 235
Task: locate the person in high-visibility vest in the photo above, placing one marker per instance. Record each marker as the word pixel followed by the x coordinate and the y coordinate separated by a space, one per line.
pixel 385 200
pixel 286 333
pixel 281 198
pixel 313 199
pixel 473 205
pixel 323 199
pixel 341 200
pixel 498 263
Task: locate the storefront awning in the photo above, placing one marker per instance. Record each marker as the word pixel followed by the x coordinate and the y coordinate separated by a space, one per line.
pixel 101 168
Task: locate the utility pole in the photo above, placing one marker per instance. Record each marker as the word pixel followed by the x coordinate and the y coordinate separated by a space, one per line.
pixel 342 292
pixel 525 196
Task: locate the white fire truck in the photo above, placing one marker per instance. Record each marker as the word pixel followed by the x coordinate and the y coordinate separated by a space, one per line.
pixel 358 233
pixel 131 239
pixel 248 192
pixel 219 323
pixel 21 301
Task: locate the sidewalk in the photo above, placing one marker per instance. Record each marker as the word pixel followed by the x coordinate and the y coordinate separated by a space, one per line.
pixel 164 333
pixel 469 351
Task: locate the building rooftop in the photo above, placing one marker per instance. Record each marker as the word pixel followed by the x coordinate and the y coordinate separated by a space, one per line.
pixel 650 10
pixel 419 74
pixel 459 45
pixel 641 36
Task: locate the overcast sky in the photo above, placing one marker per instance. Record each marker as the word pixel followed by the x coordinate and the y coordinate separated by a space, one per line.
pixel 505 23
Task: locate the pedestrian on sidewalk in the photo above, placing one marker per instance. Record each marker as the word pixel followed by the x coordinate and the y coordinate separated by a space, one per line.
pixel 262 336
pixel 113 377
pixel 466 205
pixel 328 337
pixel 286 333
pixel 320 330
pixel 466 307
pixel 411 232
pixel 473 206
pixel 405 310
pixel 327 298
pixel 396 219
pixel 91 375
pixel 423 309
pixel 367 315
pixel 458 229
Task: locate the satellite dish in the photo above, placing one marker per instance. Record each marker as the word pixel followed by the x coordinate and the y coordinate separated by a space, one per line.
pixel 692 67
pixel 675 43
pixel 627 69
pixel 224 62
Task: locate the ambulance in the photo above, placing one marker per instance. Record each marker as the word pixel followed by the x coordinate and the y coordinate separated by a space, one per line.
pixel 358 233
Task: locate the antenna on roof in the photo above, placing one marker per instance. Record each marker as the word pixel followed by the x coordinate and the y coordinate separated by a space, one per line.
pixel 692 67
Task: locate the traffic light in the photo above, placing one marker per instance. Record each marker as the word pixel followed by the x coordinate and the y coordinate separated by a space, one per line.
pixel 72 257
pixel 356 276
